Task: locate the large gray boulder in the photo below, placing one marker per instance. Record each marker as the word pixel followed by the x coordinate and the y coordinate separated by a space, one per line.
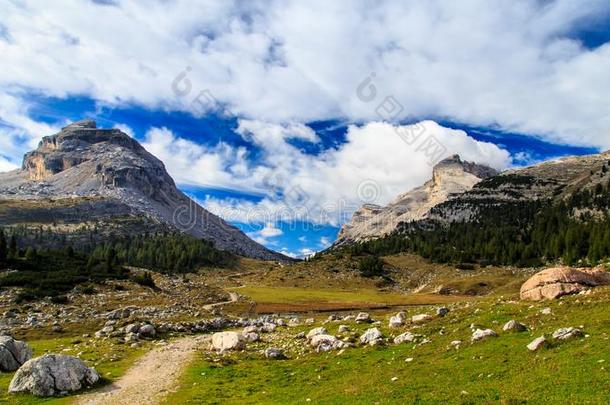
pixel 53 374
pixel 223 341
pixel 13 353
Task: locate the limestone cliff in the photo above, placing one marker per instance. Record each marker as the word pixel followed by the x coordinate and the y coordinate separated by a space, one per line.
pixel 449 177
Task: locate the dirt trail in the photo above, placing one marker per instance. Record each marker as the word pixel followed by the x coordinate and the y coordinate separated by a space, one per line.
pixel 155 374
pixel 150 378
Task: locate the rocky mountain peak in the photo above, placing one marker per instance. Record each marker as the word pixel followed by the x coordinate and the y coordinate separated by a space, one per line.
pixel 84 161
pixel 450 176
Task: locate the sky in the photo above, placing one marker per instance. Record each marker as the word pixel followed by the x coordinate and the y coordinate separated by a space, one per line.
pixel 284 117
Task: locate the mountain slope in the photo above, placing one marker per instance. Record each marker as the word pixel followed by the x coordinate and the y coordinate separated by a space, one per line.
pixel 553 212
pixel 85 175
pixel 449 177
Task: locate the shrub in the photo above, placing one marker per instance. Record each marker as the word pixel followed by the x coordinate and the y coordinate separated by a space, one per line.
pixel 145 279
pixel 371 266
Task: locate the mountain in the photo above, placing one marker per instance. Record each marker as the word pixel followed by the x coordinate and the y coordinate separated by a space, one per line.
pixel 553 212
pixel 450 177
pixel 88 181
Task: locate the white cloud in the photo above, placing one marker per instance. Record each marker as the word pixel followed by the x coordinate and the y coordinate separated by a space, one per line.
pixel 262 236
pixel 325 242
pixel 510 64
pixel 322 189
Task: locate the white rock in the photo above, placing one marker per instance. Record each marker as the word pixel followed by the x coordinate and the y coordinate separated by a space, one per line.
pixel 481 334
pixel 316 331
pixel 274 353
pixel 514 326
pixel 371 337
pixel 567 333
pixel 343 328
pixel 421 318
pixel 405 337
pixel 545 311
pixel 53 374
pixel 13 353
pixel 397 320
pixel 268 327
pixel 363 317
pixel 223 341
pixel 325 343
pixel 537 343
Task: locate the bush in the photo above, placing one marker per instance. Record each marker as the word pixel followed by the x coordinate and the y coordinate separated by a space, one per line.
pixel 145 279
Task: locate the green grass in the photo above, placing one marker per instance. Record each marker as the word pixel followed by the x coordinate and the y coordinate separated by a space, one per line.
pixel 111 361
pixel 285 299
pixel 498 370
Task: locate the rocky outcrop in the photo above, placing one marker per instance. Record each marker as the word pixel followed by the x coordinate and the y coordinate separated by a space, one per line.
pixel 13 353
pixel 449 177
pixel 559 281
pixel 106 168
pixel 53 374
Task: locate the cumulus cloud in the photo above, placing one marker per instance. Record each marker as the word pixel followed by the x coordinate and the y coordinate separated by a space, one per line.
pixel 262 236
pixel 518 66
pixel 377 162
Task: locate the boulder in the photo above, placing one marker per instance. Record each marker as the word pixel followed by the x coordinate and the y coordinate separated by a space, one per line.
pixel 421 318
pixel 371 337
pixel 268 327
pixel 398 320
pixel 567 333
pixel 53 374
pixel 223 341
pixel 274 353
pixel 316 331
pixel 537 344
pixel 405 337
pixel 363 317
pixel 147 330
pixel 132 328
pixel 442 311
pixel 325 343
pixel 343 329
pixel 481 334
pixel 514 326
pixel 559 281
pixel 13 353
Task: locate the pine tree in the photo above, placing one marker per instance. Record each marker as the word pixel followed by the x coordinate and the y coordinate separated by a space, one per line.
pixel 13 251
pixel 3 247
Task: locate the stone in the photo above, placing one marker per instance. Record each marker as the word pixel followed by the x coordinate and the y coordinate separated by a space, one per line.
pixel 147 330
pixel 405 337
pixel 442 311
pixel 223 341
pixel 251 336
pixel 325 343
pixel 559 281
pixel 316 331
pixel 343 329
pixel 371 337
pixel 456 343
pixel 274 353
pixel 132 328
pixel 537 344
pixel 421 318
pixel 300 335
pixel 397 320
pixel 53 374
pixel 514 326
pixel 13 353
pixel 567 333
pixel 268 327
pixel 481 334
pixel 546 311
pixel 363 317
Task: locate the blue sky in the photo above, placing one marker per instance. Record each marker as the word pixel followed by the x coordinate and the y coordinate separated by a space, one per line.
pixel 285 130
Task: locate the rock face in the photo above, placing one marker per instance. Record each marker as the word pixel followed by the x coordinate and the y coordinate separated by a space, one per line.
pixel 53 374
pixel 559 281
pixel 13 353
pixel 450 176
pixel 112 176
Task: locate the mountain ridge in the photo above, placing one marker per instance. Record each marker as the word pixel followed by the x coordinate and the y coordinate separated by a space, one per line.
pixel 105 166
